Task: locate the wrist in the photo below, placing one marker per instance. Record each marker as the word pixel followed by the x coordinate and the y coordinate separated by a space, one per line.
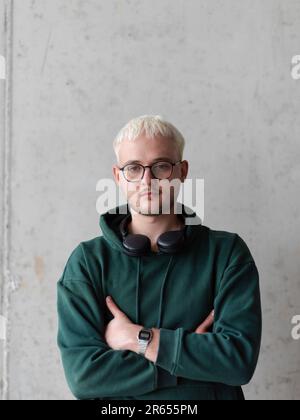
pixel 133 341
pixel 152 349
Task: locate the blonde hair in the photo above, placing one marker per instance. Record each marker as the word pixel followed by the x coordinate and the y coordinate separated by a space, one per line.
pixel 151 125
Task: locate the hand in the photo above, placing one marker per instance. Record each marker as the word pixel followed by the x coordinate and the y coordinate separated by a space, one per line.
pixel 204 327
pixel 121 332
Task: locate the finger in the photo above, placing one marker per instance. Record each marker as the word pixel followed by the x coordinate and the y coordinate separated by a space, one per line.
pixel 113 307
pixel 209 320
pixel 206 324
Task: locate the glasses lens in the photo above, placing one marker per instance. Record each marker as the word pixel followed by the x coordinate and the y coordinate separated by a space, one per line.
pixel 133 172
pixel 162 170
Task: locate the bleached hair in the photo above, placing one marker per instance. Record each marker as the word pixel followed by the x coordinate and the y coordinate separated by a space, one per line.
pixel 151 126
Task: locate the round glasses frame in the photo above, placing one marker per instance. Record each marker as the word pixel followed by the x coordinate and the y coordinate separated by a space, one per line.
pixel 144 168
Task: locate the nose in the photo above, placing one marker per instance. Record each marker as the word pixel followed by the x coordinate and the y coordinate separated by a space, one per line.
pixel 147 177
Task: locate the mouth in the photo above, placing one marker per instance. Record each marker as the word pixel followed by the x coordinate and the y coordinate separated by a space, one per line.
pixel 147 192
pixel 147 195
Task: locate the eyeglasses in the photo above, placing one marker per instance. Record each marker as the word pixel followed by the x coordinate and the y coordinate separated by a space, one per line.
pixel 134 172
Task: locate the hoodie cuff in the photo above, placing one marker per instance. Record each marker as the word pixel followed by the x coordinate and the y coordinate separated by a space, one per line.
pixel 168 349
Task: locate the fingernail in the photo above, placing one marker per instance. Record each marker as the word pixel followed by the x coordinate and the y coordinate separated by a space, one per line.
pixel 108 298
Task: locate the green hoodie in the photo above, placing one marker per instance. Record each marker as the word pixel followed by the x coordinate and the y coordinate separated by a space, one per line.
pixel 214 270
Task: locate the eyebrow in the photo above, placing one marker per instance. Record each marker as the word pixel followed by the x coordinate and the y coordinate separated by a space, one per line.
pixel 164 158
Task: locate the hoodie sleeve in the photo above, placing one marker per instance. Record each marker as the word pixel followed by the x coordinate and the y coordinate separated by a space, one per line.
pixel 92 369
pixel 230 352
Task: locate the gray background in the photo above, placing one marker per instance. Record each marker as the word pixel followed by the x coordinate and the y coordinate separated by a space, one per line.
pixel 221 72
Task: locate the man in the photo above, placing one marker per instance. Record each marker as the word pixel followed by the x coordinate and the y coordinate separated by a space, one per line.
pixel 158 308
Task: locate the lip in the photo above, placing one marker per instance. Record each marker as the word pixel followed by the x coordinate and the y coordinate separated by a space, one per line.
pixel 148 194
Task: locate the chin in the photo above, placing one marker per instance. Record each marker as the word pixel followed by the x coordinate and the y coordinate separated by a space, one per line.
pixel 148 211
pixel 156 210
pixel 150 207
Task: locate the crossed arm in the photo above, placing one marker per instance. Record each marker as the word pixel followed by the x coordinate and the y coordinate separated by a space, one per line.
pixel 121 332
pixel 89 347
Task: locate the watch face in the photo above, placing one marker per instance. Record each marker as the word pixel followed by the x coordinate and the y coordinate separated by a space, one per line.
pixel 144 335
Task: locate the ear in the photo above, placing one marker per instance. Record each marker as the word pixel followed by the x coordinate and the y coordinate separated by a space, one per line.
pixel 116 174
pixel 184 170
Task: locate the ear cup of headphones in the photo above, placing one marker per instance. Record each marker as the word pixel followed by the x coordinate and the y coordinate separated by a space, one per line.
pixel 138 245
pixel 171 242
pixel 134 245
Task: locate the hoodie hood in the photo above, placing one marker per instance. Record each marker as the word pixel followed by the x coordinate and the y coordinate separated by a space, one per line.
pixel 109 224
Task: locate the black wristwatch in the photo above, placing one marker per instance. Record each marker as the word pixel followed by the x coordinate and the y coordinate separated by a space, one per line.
pixel 144 337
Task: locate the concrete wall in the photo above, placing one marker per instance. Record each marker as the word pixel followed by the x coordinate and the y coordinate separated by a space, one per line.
pixel 220 71
pixel 1 177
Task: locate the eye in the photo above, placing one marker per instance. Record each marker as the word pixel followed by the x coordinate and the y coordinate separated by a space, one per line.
pixel 133 168
pixel 162 166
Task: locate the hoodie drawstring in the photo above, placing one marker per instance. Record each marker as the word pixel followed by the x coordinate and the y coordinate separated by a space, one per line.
pixel 137 291
pixel 161 291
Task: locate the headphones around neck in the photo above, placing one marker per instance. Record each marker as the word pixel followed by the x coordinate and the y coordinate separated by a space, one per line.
pixel 136 245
